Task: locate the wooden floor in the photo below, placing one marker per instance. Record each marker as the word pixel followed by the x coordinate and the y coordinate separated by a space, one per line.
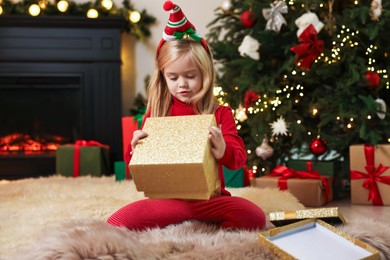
pixel 348 210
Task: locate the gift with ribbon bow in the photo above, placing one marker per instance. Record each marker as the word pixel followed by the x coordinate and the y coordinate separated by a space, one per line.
pixel 309 187
pixel 370 179
pixel 309 48
pixel 274 16
pixel 83 158
pixel 336 169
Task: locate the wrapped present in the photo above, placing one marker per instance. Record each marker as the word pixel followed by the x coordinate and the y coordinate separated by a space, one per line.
pixel 120 170
pixel 175 160
pixel 129 125
pixel 315 239
pixel 233 178
pixel 334 169
pixel 370 174
pixel 311 189
pixel 83 158
pixel 331 216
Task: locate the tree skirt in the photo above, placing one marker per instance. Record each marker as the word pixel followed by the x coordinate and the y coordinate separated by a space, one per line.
pixel 64 218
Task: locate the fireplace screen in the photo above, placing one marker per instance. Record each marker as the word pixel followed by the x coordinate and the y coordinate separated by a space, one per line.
pixel 39 113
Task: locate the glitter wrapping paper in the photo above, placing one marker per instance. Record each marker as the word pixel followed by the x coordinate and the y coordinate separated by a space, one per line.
pixel 359 194
pixel 309 192
pixel 313 239
pixel 331 215
pixel 175 160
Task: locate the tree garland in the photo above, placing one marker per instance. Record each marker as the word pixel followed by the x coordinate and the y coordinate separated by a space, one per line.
pixel 138 22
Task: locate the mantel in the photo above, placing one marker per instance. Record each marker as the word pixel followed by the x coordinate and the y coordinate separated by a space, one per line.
pixel 58 21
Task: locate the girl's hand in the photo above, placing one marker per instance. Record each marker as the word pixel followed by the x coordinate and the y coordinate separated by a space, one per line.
pixel 218 144
pixel 137 135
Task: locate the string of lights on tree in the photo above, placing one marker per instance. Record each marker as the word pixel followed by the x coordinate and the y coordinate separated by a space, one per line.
pixel 307 77
pixel 138 21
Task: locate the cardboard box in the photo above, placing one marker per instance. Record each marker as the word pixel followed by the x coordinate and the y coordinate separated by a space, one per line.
pixel 175 160
pixel 233 178
pixel 94 160
pixel 309 192
pixel 331 216
pixel 365 157
pixel 315 239
pixel 334 169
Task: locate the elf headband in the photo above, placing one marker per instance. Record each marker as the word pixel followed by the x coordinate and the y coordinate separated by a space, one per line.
pixel 178 27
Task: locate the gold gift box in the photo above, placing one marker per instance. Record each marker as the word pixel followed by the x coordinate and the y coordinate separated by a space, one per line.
pixel 175 160
pixel 315 239
pixel 331 216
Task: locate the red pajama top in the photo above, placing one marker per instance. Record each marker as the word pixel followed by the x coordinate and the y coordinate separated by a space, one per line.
pixel 234 157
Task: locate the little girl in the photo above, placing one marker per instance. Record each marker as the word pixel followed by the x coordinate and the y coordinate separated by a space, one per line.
pixel 183 85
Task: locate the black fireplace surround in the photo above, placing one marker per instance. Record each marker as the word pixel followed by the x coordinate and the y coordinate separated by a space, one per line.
pixel 59 76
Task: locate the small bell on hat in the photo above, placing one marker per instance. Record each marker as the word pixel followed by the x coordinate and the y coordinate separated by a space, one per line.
pixel 178 27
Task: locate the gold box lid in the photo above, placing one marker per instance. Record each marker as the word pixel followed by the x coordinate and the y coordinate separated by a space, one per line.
pixel 331 216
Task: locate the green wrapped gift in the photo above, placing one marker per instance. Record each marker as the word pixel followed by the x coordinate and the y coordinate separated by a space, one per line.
pixel 234 178
pixel 120 171
pixel 92 160
pixel 334 169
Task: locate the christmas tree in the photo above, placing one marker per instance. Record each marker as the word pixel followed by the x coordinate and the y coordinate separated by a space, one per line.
pixel 303 77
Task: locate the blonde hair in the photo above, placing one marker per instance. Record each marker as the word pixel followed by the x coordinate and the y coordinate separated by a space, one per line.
pixel 159 97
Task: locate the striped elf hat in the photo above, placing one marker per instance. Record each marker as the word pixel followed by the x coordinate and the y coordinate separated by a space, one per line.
pixel 178 27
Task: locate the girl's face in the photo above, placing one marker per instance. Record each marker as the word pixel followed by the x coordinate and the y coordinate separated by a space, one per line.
pixel 183 77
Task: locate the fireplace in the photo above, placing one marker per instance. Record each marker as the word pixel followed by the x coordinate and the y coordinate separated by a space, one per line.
pixel 59 82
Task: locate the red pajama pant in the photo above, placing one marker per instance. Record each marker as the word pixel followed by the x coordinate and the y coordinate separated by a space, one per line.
pixel 225 211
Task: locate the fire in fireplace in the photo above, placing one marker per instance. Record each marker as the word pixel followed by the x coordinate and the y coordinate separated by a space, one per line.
pixel 24 143
pixel 38 113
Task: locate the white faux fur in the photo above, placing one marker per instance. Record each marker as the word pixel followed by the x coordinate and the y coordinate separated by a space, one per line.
pixel 64 218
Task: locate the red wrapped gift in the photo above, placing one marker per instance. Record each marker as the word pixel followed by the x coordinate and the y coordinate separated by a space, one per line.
pixel 129 125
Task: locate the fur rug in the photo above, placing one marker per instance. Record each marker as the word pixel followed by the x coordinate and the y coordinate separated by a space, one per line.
pixel 63 218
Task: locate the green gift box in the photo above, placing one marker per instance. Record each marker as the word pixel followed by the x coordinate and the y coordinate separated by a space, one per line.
pixel 233 178
pixel 334 169
pixel 120 170
pixel 94 160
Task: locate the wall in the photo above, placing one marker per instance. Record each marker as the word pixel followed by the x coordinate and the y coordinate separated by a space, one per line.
pixel 138 56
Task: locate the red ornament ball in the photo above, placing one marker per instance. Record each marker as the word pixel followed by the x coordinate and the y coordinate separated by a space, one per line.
pixel 318 146
pixel 373 79
pixel 248 19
